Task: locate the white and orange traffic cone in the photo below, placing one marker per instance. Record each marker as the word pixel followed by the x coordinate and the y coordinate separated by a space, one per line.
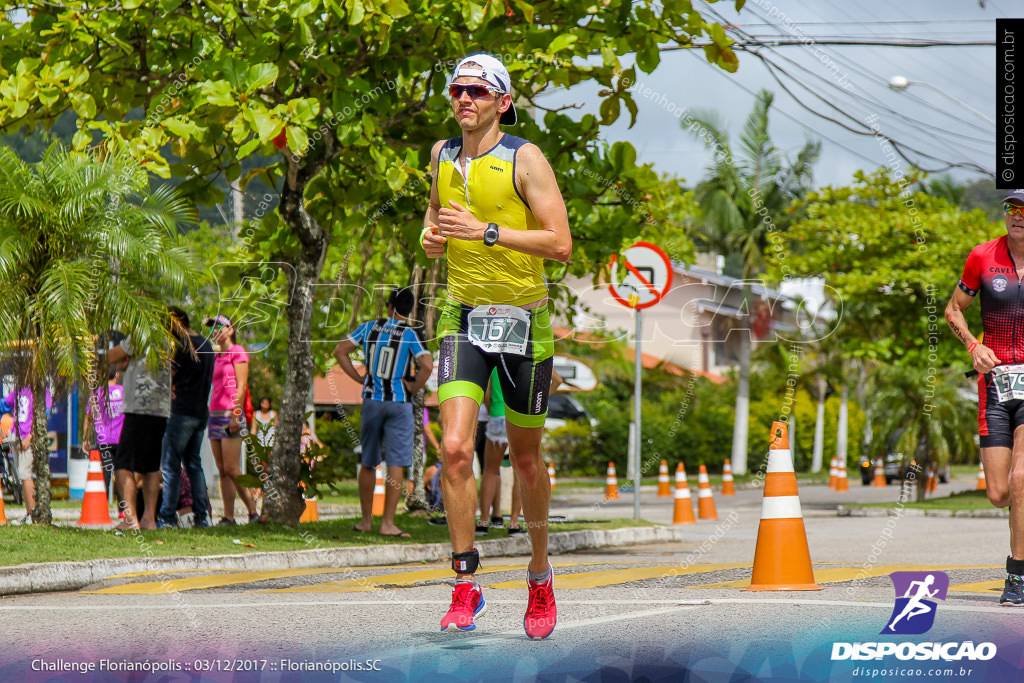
pixel 683 512
pixel 982 482
pixel 551 475
pixel 728 485
pixel 378 493
pixel 933 479
pixel 664 490
pixel 611 484
pixel 94 504
pixel 782 560
pixel 705 502
pixel 879 481
pixel 842 483
pixel 833 474
pixel 3 513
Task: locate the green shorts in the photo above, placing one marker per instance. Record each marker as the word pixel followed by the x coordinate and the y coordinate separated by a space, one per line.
pixel 464 368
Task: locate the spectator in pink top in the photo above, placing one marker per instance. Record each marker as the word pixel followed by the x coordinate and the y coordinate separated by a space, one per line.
pixel 20 403
pixel 227 423
pixel 107 411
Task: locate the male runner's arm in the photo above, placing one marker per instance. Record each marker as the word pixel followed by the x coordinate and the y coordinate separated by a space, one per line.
pixel 982 357
pixel 433 243
pixel 536 180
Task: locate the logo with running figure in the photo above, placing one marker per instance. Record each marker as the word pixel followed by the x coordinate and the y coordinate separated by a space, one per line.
pixel 914 612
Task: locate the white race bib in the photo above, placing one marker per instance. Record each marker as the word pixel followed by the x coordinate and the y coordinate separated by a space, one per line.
pixel 1009 382
pixel 499 328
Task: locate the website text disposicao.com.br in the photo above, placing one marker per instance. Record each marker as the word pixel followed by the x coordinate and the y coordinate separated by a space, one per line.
pixel 912 674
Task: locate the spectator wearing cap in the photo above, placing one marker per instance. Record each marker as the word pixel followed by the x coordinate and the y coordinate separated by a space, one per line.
pixel 191 378
pixel 227 424
pixel 390 348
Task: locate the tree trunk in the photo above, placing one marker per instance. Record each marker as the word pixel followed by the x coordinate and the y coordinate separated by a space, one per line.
pixel 819 427
pixel 841 434
pixel 41 513
pixel 417 500
pixel 283 499
pixel 742 412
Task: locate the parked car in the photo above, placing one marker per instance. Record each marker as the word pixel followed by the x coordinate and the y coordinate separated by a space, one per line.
pixel 896 468
pixel 562 408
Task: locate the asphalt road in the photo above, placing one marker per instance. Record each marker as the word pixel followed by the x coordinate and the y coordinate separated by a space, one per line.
pixel 667 612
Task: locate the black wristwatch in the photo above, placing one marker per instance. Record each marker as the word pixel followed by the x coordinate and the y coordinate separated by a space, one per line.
pixel 491 234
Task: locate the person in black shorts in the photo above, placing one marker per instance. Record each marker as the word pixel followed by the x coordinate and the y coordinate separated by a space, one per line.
pixel 147 403
pixel 994 270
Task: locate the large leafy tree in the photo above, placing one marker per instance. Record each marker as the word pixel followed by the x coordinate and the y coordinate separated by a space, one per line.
pixel 891 255
pixel 341 101
pixel 84 247
pixel 744 198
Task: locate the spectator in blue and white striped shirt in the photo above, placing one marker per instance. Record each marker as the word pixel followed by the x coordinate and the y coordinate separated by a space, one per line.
pixel 390 348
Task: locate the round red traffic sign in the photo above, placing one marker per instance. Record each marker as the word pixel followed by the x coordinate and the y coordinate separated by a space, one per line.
pixel 642 277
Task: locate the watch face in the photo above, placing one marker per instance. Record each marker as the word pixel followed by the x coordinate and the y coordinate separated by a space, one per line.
pixel 491 235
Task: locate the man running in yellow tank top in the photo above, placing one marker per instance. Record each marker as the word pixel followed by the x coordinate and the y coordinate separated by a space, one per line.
pixel 496 211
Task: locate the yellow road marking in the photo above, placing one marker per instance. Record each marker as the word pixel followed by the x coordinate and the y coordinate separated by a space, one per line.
pixel 214 581
pixel 164 571
pixel 843 574
pixel 618 576
pixel 978 587
pixel 370 583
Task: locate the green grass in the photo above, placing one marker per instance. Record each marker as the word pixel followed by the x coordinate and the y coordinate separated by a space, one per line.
pixel 32 543
pixel 965 500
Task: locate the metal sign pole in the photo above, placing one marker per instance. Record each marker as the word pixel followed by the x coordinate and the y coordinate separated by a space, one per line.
pixel 636 418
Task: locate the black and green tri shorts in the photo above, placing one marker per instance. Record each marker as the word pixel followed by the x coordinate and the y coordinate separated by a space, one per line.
pixel 464 368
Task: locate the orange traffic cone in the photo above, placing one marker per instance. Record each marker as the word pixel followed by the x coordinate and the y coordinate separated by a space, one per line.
pixel 551 475
pixel 842 484
pixel 705 503
pixel 879 481
pixel 3 513
pixel 982 483
pixel 833 474
pixel 728 487
pixel 378 494
pixel 94 504
pixel 683 513
pixel 311 513
pixel 664 491
pixel 611 484
pixel 933 479
pixel 782 560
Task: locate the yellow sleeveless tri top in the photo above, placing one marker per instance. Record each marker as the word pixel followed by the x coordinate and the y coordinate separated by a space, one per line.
pixel 478 274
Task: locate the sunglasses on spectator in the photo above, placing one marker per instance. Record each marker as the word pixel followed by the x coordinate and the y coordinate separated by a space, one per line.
pixel 1013 209
pixel 475 91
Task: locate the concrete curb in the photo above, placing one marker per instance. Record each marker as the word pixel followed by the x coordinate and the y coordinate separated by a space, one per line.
pixel 70 576
pixel 843 511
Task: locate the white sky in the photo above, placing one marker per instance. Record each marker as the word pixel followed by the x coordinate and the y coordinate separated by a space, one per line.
pixel 965 73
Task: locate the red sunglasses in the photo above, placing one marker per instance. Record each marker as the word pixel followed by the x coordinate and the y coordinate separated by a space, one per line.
pixel 475 92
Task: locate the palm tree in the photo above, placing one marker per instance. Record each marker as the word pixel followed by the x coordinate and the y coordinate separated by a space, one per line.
pixel 84 247
pixel 735 198
pixel 915 411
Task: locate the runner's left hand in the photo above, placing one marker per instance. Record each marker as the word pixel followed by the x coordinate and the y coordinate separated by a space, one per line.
pixel 460 223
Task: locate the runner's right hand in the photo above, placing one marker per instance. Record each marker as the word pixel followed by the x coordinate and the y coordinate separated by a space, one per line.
pixel 433 243
pixel 984 359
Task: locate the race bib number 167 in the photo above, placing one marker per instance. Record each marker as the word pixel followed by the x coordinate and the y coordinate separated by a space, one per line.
pixel 499 329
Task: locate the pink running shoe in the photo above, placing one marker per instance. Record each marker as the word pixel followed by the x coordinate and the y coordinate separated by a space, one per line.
pixel 541 613
pixel 467 604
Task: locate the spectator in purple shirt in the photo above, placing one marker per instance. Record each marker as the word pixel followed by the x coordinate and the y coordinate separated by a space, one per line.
pixel 106 410
pixel 20 402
